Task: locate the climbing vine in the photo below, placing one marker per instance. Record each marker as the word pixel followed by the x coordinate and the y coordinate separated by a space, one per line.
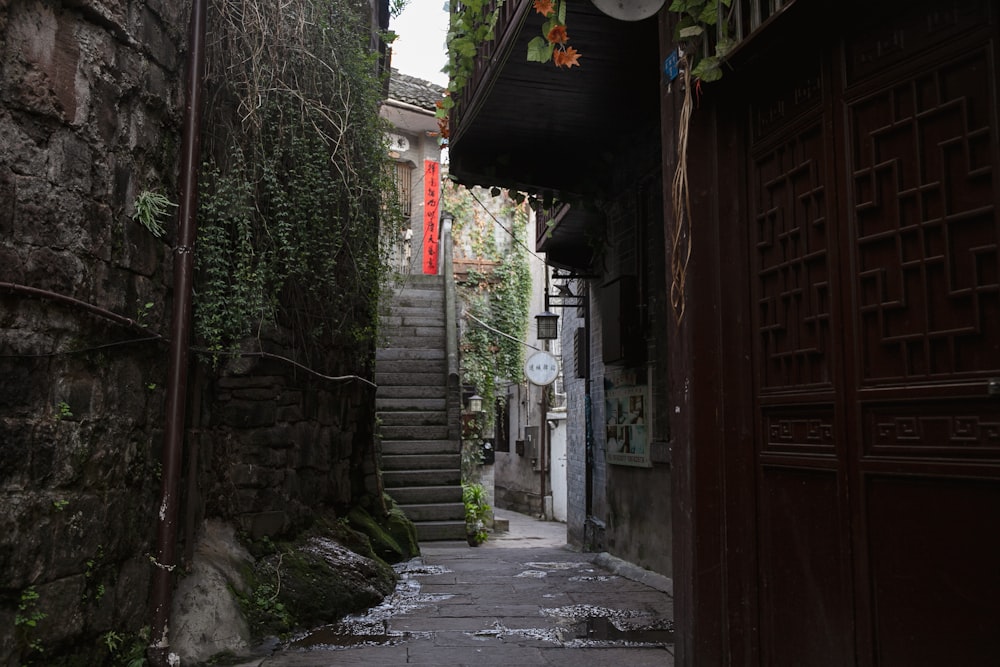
pixel 295 178
pixel 702 51
pixel 498 295
pixel 701 57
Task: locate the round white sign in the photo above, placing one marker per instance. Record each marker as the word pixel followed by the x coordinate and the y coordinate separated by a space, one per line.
pixel 541 368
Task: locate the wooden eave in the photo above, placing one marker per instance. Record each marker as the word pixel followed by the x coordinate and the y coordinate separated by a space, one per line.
pixel 553 131
pixel 547 130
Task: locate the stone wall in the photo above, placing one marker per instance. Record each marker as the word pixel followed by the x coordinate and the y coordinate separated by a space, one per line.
pixel 89 117
pixel 278 442
pixel 90 112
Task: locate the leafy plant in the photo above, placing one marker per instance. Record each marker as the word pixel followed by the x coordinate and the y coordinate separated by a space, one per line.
pixel 265 612
pixel 60 504
pixel 552 44
pixel 150 208
pixel 27 615
pixel 142 312
pixel 295 179
pixel 127 651
pixel 476 512
pixel 702 51
pixel 26 620
pixel 500 297
pixel 63 411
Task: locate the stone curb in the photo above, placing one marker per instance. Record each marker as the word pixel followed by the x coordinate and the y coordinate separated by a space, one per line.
pixel 634 572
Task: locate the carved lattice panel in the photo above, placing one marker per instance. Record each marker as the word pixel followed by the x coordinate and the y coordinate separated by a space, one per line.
pixel 792 262
pixel 926 237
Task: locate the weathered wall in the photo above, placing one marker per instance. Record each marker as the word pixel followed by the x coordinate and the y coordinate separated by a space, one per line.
pixel 90 104
pixel 88 119
pixel 277 442
pixel 629 511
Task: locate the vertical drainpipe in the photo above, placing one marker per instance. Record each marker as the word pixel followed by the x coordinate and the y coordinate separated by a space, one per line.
pixel 180 329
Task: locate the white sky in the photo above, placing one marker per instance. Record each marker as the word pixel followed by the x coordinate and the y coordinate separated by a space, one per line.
pixel 420 48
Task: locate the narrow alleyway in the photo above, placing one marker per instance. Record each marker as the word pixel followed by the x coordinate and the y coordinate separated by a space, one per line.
pixel 522 598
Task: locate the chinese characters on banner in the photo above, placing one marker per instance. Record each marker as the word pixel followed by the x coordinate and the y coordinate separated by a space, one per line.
pixel 432 191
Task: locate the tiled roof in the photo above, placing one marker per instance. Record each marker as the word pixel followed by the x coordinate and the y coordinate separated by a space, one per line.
pixel 410 89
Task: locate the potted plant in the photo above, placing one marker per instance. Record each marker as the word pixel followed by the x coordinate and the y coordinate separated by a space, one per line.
pixel 476 509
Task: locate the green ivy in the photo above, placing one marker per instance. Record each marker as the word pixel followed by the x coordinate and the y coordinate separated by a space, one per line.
pixel 500 298
pixel 705 51
pixel 295 178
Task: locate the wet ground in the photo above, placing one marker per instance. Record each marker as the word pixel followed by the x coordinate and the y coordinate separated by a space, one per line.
pixel 522 598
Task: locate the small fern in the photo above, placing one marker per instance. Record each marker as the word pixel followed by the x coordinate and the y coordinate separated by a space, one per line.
pixel 150 207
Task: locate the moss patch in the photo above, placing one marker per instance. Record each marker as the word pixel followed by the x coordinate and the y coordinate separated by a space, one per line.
pixel 393 538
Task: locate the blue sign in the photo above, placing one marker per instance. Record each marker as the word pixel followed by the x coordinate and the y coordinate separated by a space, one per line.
pixel 670 66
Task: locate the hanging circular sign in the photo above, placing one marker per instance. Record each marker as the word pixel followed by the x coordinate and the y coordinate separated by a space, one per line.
pixel 541 368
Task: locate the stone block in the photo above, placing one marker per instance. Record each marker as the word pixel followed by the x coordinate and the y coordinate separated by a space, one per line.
pixel 249 414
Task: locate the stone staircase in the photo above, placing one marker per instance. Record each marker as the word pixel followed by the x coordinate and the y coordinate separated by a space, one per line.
pixel 421 460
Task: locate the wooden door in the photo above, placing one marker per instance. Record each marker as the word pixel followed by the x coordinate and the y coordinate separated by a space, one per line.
pixel 873 179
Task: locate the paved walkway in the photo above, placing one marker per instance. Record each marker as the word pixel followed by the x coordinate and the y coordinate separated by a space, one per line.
pixel 523 598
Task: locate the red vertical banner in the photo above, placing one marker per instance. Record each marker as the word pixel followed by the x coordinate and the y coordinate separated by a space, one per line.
pixel 432 195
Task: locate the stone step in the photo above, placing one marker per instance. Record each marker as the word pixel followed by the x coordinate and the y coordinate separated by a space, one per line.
pixel 409 447
pixel 421 418
pixel 410 391
pixel 420 338
pixel 421 309
pixel 435 512
pixel 420 461
pixel 391 323
pixel 422 495
pixel 409 379
pixel 436 477
pixel 438 432
pixel 394 404
pixel 400 353
pixel 432 531
pixel 404 366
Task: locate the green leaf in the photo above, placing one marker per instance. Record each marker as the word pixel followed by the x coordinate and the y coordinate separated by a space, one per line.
pixel 710 14
pixel 724 46
pixel 691 31
pixel 678 6
pixel 562 12
pixel 539 50
pixel 707 70
pixel 447 102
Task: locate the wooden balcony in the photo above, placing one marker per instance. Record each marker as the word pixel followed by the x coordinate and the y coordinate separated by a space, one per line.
pixel 555 131
pixel 543 129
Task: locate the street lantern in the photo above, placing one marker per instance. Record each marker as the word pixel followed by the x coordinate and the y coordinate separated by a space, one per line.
pixel 548 325
pixel 475 403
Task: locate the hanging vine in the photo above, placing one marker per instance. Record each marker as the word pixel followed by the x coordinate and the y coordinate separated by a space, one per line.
pixel 701 58
pixel 498 296
pixel 295 178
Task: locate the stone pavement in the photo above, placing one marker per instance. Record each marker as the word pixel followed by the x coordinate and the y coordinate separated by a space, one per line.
pixel 523 598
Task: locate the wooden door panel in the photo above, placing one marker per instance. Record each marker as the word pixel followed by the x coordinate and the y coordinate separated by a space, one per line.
pixel 805 580
pixel 934 550
pixel 922 226
pixel 874 251
pixel 925 225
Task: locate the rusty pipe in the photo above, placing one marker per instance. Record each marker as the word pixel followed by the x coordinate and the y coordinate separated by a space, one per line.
pixel 49 295
pixel 180 331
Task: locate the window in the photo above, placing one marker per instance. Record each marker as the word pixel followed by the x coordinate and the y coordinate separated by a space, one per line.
pixel 404 187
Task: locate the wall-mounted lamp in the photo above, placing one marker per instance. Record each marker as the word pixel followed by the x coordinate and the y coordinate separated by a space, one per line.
pixel 475 403
pixel 548 326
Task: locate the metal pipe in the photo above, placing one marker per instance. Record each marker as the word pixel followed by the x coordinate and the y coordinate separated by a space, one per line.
pixel 180 329
pixel 49 295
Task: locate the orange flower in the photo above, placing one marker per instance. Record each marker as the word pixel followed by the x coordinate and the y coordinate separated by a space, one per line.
pixel 544 7
pixel 566 58
pixel 557 35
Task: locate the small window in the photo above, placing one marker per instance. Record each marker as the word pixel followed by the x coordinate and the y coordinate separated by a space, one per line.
pixel 404 187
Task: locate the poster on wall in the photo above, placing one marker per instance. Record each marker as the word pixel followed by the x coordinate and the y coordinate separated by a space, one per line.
pixel 626 415
pixel 432 196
